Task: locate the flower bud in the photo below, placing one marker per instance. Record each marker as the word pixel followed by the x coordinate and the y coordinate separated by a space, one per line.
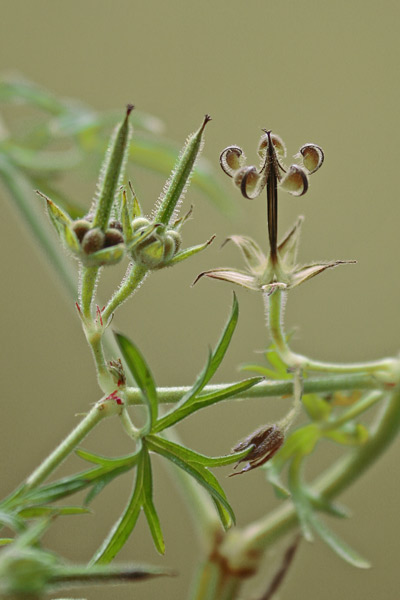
pixel 93 240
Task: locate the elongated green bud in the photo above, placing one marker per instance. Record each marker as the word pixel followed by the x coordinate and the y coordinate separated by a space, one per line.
pixel 176 185
pixel 112 172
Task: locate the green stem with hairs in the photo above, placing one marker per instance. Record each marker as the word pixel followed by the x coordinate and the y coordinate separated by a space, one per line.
pixel 134 278
pixel 388 369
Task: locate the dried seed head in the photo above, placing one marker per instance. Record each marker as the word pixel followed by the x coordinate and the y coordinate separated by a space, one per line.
pixel 247 180
pixel 93 240
pixel 231 159
pixel 277 142
pixel 313 157
pixel 295 181
pixel 263 444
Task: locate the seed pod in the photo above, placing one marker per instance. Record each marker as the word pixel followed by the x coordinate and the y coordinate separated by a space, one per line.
pixel 295 181
pixel 277 142
pixel 113 237
pixel 115 225
pixel 313 157
pixel 140 222
pixel 247 180
pixel 176 237
pixel 80 227
pixel 93 240
pixel 231 159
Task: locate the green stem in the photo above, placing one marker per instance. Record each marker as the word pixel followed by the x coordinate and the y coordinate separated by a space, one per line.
pixel 259 536
pixel 67 446
pixel 87 289
pixel 134 278
pixel 387 369
pixel 317 385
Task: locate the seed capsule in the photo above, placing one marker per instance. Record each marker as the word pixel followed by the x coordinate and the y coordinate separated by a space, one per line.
pixel 80 227
pixel 93 240
pixel 113 237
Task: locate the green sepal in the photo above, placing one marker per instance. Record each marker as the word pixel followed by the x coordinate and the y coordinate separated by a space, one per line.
pixel 105 257
pixel 112 173
pixel 72 242
pixel 179 456
pixel 60 220
pixel 180 177
pixel 140 236
pixel 142 375
pixel 188 252
pixel 126 219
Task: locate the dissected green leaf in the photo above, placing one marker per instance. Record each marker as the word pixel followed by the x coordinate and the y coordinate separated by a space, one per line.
pixel 191 456
pixel 141 373
pixel 141 498
pixel 50 511
pixel 341 548
pixel 178 455
pixel 149 508
pixel 11 520
pixel 22 90
pixel 124 526
pixel 214 360
pixel 199 402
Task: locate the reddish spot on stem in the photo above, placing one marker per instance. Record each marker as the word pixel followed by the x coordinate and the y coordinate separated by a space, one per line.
pixel 78 307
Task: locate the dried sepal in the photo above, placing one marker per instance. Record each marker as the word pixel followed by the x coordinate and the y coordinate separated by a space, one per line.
pixel 309 271
pixel 232 276
pixel 263 444
pixel 252 253
pixel 288 247
pixel 313 157
pixel 231 160
pixel 295 181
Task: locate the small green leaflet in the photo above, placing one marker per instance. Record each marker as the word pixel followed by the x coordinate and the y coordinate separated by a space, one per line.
pixel 196 465
pixel 142 375
pixel 141 499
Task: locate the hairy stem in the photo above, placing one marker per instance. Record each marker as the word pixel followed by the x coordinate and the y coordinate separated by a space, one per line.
pixel 267 389
pixel 134 278
pixel 387 369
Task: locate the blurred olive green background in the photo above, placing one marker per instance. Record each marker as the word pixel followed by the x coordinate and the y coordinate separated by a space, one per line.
pixel 313 71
